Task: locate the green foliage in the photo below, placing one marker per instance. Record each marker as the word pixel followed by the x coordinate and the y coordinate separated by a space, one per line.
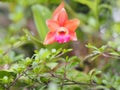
pixel 50 67
pixel 91 63
pixel 90 4
pixel 41 13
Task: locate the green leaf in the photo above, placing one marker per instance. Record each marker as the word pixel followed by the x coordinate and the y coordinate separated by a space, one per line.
pixel 92 4
pixel 40 14
pixel 89 3
pixel 44 53
pixel 77 76
pixel 73 58
pixel 52 65
pixel 6 73
pixel 34 39
pixel 103 6
pixel 91 46
pixel 8 0
pixel 42 88
pixel 94 72
pixel 115 53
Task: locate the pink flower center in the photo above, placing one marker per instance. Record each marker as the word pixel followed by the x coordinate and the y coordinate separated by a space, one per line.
pixel 62 35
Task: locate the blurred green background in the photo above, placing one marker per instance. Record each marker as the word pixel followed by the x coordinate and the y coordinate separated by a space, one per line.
pixel 22 32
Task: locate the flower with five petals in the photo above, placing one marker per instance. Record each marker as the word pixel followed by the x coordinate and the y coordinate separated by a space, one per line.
pixel 61 29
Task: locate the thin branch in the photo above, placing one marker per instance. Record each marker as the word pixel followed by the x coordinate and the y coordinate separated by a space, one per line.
pixel 35 80
pixel 70 82
pixel 79 83
pixel 19 75
pixel 59 55
pixel 107 55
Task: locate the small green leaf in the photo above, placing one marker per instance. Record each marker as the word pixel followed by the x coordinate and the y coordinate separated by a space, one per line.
pixel 115 53
pixel 52 65
pixel 18 68
pixel 5 79
pixel 94 72
pixel 34 39
pixel 28 61
pixel 6 73
pixel 74 58
pixel 91 46
pixel 42 88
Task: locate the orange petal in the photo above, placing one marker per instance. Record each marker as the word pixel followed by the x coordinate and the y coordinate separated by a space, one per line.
pixel 58 9
pixel 49 39
pixel 52 25
pixel 73 36
pixel 71 25
pixel 62 17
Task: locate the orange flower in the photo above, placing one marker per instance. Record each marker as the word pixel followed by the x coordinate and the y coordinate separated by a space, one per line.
pixel 61 29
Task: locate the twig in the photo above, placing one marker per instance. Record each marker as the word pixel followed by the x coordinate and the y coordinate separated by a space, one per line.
pixel 35 80
pixel 74 82
pixel 19 75
pixel 70 82
pixel 59 55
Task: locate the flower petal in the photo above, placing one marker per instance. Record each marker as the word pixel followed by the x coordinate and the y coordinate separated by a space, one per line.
pixel 50 38
pixel 62 17
pixel 58 9
pixel 71 25
pixel 52 25
pixel 73 36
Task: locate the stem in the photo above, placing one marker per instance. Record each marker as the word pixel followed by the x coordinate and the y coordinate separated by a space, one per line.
pixel 70 82
pixel 14 82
